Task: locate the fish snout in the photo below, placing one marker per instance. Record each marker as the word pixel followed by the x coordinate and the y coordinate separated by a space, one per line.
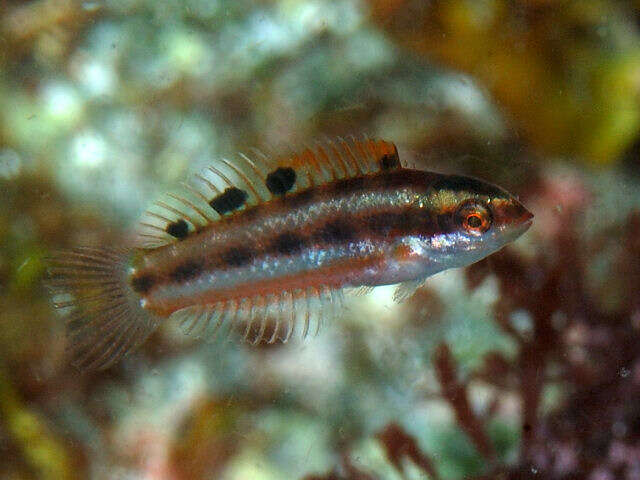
pixel 511 215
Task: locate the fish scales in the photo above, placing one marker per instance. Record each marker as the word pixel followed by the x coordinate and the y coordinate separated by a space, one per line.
pixel 338 234
pixel 279 238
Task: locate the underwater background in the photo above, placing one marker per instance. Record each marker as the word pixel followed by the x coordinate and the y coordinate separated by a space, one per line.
pixel 524 365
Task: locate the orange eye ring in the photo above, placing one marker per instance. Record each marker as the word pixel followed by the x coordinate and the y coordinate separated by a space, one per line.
pixel 473 220
pixel 473 217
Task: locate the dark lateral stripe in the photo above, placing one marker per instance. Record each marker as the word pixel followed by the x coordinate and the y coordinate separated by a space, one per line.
pixel 288 243
pixel 335 231
pixel 384 180
pixel 305 197
pixel 340 231
pixel 379 226
pixel 186 271
pixel 381 223
pixel 408 222
pixel 458 183
pixel 142 284
pixel 237 256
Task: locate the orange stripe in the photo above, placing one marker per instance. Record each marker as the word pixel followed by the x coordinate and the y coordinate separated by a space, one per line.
pixel 334 276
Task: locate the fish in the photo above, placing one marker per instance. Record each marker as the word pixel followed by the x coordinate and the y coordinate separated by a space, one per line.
pixel 268 244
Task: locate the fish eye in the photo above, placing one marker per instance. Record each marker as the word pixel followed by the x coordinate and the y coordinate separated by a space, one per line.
pixel 474 220
pixel 473 217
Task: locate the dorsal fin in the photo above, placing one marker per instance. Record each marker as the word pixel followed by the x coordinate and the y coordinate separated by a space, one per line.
pixel 228 186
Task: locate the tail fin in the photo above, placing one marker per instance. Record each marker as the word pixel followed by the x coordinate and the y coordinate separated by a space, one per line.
pixel 105 320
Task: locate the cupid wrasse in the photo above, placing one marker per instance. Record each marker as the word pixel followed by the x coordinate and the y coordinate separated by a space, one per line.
pixel 264 246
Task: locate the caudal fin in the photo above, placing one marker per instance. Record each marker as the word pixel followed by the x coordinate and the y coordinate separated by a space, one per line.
pixel 104 318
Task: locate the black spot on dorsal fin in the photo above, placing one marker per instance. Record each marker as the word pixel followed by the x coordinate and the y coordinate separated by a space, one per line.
pixel 178 229
pixel 248 181
pixel 281 180
pixel 229 200
pixel 335 231
pixel 390 161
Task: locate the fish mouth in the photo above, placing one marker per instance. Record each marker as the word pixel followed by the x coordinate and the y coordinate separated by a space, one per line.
pixel 519 226
pixel 526 220
pixel 524 224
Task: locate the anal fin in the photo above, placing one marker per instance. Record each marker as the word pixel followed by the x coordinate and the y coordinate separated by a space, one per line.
pixel 406 289
pixel 263 319
pixel 360 291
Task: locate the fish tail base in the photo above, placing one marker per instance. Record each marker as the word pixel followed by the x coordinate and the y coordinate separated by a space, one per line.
pixel 105 319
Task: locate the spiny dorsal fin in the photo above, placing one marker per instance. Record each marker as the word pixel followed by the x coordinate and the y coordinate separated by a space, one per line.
pixel 263 319
pixel 230 186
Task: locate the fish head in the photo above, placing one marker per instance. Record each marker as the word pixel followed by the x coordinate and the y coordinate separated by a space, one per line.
pixel 475 218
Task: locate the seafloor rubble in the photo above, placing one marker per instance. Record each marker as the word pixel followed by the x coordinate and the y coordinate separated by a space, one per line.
pixel 525 365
